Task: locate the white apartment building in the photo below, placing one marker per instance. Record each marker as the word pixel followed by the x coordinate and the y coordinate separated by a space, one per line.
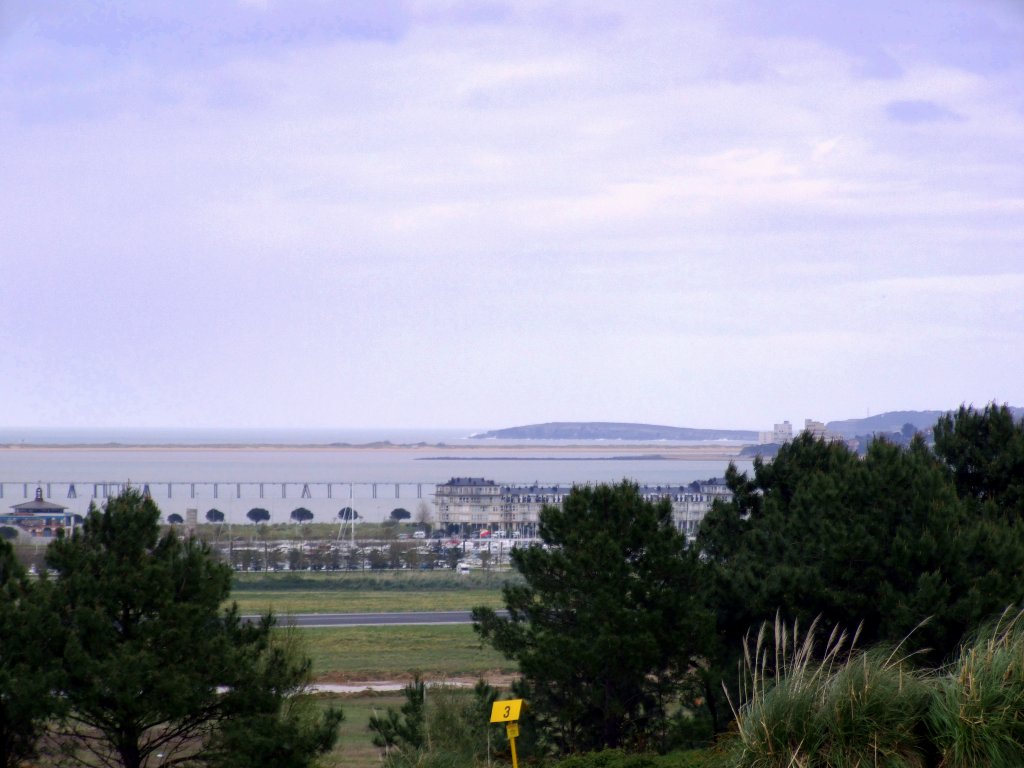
pixel 468 501
pixel 781 433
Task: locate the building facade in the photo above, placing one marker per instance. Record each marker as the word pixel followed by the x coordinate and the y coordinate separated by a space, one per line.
pixel 781 433
pixel 468 501
pixel 475 504
pixel 819 431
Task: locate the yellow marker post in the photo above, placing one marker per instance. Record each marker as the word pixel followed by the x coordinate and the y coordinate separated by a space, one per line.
pixel 507 712
pixel 512 730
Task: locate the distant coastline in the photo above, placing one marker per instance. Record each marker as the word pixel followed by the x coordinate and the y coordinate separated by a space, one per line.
pixel 614 430
pixel 565 436
pixel 540 452
pixel 217 446
pixel 173 437
pixel 638 457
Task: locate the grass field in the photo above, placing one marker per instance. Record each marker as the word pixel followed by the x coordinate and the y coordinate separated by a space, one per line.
pixel 438 652
pixel 288 593
pixel 354 748
pixel 283 603
pixel 346 592
pixel 364 654
pixel 386 652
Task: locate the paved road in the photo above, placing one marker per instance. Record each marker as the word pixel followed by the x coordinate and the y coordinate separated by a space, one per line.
pixel 375 619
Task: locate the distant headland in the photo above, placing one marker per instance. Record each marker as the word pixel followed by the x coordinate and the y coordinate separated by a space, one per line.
pixel 612 430
pixel 890 421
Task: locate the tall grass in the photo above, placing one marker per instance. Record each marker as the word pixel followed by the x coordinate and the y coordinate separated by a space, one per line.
pixel 841 708
pixel 845 708
pixel 977 716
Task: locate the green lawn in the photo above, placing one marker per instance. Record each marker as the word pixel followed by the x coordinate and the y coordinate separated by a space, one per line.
pixel 389 652
pixel 376 592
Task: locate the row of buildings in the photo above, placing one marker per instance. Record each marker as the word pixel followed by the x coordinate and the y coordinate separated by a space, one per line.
pixel 475 504
pixel 783 433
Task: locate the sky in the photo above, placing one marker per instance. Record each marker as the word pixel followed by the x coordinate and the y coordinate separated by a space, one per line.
pixel 484 214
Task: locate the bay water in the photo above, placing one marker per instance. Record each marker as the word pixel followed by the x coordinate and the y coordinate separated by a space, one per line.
pixel 281 470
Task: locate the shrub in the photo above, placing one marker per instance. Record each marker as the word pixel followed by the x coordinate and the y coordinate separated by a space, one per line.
pixel 617 758
pixel 608 758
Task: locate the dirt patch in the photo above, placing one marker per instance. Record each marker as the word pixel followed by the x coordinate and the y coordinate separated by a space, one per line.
pixel 344 683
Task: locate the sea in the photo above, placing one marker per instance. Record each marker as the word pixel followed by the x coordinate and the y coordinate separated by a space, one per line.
pixel 283 469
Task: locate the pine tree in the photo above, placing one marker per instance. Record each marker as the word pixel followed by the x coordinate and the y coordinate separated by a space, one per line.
pixel 151 664
pixel 882 543
pixel 607 624
pixel 28 671
pixel 985 452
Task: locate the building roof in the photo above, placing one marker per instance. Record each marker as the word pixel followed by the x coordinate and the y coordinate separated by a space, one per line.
pixel 39 505
pixel 472 481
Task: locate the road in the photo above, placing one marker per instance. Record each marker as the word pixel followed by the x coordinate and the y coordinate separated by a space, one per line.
pixel 374 619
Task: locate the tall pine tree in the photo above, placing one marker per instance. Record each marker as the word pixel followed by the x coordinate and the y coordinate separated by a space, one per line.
pixel 151 664
pixel 985 452
pixel 607 623
pixel 28 672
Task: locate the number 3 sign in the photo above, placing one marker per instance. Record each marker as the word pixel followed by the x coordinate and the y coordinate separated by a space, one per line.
pixel 506 711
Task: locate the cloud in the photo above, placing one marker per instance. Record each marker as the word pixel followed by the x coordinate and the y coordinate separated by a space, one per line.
pixel 347 192
pixel 914 111
pixel 191 33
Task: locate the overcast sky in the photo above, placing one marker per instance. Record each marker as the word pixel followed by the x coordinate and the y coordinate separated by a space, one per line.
pixel 403 214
